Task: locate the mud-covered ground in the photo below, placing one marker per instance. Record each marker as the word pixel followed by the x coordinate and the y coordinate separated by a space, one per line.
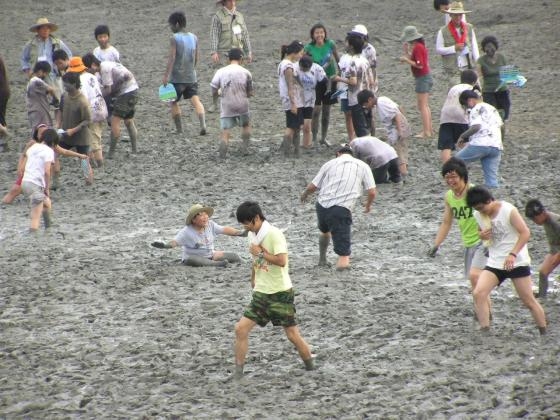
pixel 95 323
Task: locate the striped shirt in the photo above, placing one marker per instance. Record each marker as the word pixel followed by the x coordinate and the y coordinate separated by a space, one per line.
pixel 340 181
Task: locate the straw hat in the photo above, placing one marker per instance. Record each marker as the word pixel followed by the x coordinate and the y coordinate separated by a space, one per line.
pixel 198 208
pixel 410 33
pixel 43 22
pixel 76 65
pixel 456 8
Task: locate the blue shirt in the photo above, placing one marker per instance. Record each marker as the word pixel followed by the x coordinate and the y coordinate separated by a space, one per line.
pixel 183 70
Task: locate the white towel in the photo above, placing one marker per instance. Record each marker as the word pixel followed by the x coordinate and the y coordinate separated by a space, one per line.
pixel 263 231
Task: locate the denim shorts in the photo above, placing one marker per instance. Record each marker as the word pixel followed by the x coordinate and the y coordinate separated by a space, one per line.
pixel 227 123
pixel 424 84
pixel 344 105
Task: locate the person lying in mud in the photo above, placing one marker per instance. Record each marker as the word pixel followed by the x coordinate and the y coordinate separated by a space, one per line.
pixel 197 239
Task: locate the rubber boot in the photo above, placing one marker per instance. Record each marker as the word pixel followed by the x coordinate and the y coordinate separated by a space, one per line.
pixel 324 242
pixel 112 147
pixel 202 120
pixel 47 218
pixel 325 118
pixel 287 146
pixel 246 138
pixel 133 134
pixel 178 123
pixel 223 149
pixel 296 141
pixel 543 285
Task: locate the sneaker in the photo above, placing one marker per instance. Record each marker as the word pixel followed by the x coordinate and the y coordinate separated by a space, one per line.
pixel 203 131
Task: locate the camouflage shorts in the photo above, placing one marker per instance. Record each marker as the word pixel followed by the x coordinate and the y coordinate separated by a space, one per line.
pixel 277 308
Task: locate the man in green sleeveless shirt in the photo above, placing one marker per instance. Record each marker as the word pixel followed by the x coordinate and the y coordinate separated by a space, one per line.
pixel 456 175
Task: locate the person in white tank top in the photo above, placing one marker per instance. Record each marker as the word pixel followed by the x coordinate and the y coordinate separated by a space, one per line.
pixel 506 234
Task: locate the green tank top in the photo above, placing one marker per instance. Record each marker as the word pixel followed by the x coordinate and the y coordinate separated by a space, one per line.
pixel 463 214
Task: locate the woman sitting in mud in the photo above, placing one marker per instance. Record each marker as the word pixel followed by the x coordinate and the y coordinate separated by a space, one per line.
pixel 197 239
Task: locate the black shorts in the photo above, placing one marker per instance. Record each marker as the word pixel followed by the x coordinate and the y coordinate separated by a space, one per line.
pixel 186 90
pixel 517 272
pixel 323 93
pixel 307 112
pixel 294 121
pixel 338 221
pixel 84 150
pixel 448 135
pixel 499 100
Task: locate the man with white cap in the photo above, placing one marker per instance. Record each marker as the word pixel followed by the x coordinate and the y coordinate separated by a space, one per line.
pixel 457 45
pixel 368 51
pixel 41 46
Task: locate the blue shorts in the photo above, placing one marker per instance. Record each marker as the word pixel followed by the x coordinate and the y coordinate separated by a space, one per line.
pixel 338 221
pixel 424 84
pixel 227 123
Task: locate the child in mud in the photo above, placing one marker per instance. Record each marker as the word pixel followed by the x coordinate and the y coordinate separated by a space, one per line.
pixel 15 190
pixel 36 177
pixel 536 211
pixel 181 70
pixel 273 296
pixel 37 96
pixel 416 55
pixel 197 239
pixel 311 76
pixel 291 94
pixel 105 51
pixel 501 224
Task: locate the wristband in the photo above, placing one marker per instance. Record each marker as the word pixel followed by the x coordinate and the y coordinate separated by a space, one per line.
pixel 513 253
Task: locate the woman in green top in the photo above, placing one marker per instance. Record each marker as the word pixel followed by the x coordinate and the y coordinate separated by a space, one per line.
pixel 323 52
pixel 489 71
pixel 456 175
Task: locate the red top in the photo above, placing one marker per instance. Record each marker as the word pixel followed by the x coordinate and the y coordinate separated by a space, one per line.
pixel 419 55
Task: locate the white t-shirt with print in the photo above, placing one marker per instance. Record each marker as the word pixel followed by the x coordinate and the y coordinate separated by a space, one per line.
pixel 490 122
pixel 309 80
pixel 235 83
pixel 118 77
pixel 90 87
pixel 284 65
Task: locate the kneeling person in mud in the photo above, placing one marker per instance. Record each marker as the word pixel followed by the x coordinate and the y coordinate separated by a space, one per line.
pixel 197 239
